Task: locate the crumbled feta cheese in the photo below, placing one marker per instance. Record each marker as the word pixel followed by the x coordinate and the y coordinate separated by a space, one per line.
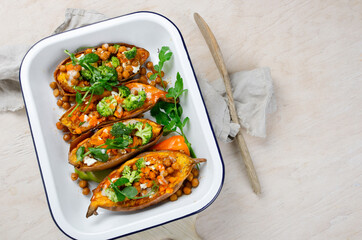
pixel 114 93
pixel 135 69
pixel 147 163
pixel 89 161
pixel 153 167
pixel 143 185
pixel 80 56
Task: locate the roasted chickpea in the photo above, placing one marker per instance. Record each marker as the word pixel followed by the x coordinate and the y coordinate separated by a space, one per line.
pixel 85 191
pixel 53 85
pixel 175 166
pixel 164 84
pixel 112 49
pixel 149 75
pixel 66 105
pixel 59 126
pixel 170 170
pixel 195 182
pixel 122 49
pixel 119 69
pixel 134 167
pixel 105 46
pixel 153 83
pixel 74 176
pixel 71 99
pixel 66 137
pixel 62 68
pixel 143 71
pixel 195 172
pixel 162 73
pixel 83 183
pixel 77 67
pixel 65 99
pixel 59 102
pixel 56 92
pixel 153 70
pixel 173 197
pixel 149 65
pixel 165 173
pixel 129 68
pixel 190 177
pixel 152 175
pixel 105 55
pixel 179 193
pixel 89 50
pixel 143 79
pixel 125 74
pixel 119 75
pixel 186 190
pixel 135 92
pixel 69 67
pixel 158 80
pixel 187 184
pixel 167 162
pixel 74 82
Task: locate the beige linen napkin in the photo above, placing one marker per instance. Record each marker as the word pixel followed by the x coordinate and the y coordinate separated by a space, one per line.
pixel 252 90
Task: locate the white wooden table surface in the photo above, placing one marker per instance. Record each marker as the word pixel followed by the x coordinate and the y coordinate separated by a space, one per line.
pixel 310 165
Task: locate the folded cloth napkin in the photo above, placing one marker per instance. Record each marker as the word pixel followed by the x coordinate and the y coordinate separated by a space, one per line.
pixel 253 90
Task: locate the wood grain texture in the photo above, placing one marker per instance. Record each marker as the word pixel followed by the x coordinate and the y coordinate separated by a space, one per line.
pixel 219 60
pixel 311 162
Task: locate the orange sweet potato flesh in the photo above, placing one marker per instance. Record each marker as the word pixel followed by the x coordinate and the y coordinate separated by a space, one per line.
pixel 66 90
pixel 114 159
pixel 185 163
pixel 73 122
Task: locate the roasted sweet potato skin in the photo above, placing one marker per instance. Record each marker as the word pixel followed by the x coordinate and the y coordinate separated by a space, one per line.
pixel 66 90
pixel 157 131
pixel 153 96
pixel 99 200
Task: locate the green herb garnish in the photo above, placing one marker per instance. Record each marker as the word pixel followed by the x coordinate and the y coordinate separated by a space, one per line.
pixel 169 114
pixel 164 55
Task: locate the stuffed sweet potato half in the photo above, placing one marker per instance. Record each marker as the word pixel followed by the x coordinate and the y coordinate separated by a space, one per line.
pixel 143 181
pixel 114 144
pixel 119 61
pixel 127 101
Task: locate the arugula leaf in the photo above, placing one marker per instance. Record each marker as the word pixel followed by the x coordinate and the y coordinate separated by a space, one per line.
pixel 119 129
pixel 80 153
pixel 99 154
pixel 131 53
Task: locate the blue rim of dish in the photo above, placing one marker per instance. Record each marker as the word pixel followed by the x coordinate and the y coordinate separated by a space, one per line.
pixel 207 114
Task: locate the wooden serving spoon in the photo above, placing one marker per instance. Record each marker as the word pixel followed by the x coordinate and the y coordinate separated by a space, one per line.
pixel 216 53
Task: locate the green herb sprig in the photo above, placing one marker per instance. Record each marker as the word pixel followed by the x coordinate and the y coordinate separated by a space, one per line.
pixel 170 114
pixel 164 55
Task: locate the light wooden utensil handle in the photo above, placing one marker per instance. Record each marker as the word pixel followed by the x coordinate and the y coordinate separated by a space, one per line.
pixel 216 53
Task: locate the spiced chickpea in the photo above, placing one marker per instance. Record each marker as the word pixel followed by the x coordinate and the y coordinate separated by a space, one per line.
pixel 74 176
pixel 71 99
pixel 122 49
pixel 105 46
pixel 167 162
pixel 170 170
pixel 188 184
pixel 190 177
pixel 119 69
pixel 53 85
pixel 153 83
pixel 119 75
pixel 162 73
pixel 59 102
pixel 56 92
pixel 186 190
pixel 74 82
pixel 69 67
pixel 195 182
pixel 85 191
pixel 179 193
pixel 66 105
pixel 149 75
pixel 143 71
pixel 105 55
pixel 112 49
pixel 89 50
pixel 83 183
pixel 152 175
pixel 65 99
pixel 135 63
pixel 129 68
pixel 149 65
pixel 158 80
pixel 143 79
pixel 125 74
pixel 62 68
pixel 164 84
pixel 77 67
pixel 195 172
pixel 59 126
pixel 175 166
pixel 173 197
pixel 134 167
pixel 66 137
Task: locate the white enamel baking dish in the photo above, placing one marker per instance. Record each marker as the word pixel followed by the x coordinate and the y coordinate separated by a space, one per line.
pixel 66 203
